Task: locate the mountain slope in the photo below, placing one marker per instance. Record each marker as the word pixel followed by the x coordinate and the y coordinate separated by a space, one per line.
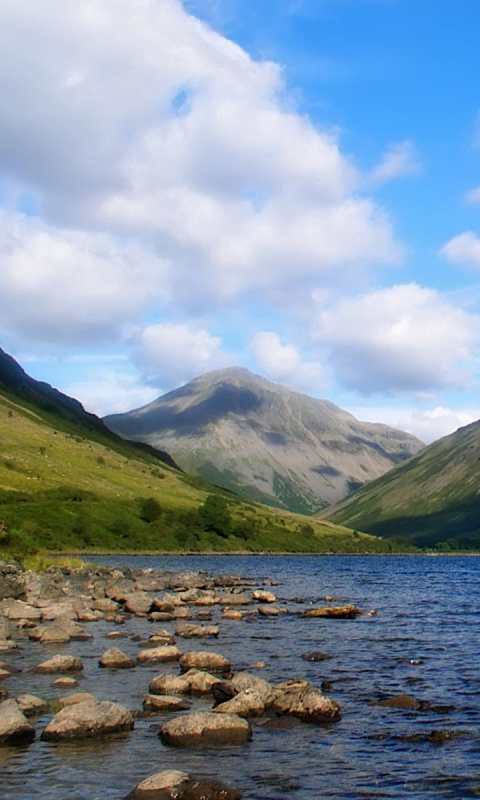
pixel 266 441
pixel 434 498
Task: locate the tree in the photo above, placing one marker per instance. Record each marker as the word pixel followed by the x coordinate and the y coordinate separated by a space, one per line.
pixel 215 516
pixel 150 509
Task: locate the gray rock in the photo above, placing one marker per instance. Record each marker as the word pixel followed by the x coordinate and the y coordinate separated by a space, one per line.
pixel 31 706
pixel 302 700
pixel 60 664
pixel 19 610
pixel 88 719
pixel 175 785
pixel 14 726
pixel 164 702
pixel 12 581
pixel 139 603
pixel 189 630
pixel 169 684
pixel 205 728
pixel 167 652
pixel 212 662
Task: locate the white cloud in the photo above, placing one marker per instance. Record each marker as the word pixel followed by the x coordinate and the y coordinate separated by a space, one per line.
pixel 139 120
pixel 68 286
pixel 109 392
pixel 427 424
pixel 473 196
pixel 463 249
pixel 170 355
pixel 405 338
pixel 283 363
pixel 400 159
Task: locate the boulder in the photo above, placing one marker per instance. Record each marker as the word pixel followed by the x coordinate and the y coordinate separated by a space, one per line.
pixel 231 613
pixel 262 596
pixel 245 680
pixel 175 785
pixel 139 603
pixel 120 589
pixel 60 664
pixel 105 605
pixel 53 635
pixel 163 653
pixel 211 662
pixel 31 706
pixel 199 681
pixel 302 700
pixel 55 611
pixel 12 581
pixel 169 684
pixel 245 704
pixel 88 719
pixel 113 658
pixel 162 637
pixel 182 612
pixel 14 726
pixel 65 683
pixel 269 611
pixel 73 699
pixel 164 702
pixel 189 630
pixel 235 599
pixel 205 728
pixel 19 610
pixel 334 612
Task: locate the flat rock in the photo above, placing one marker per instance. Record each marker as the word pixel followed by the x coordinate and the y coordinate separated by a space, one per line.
pixel 262 596
pixel 65 683
pixel 60 664
pixel 19 610
pixel 139 603
pixel 31 706
pixel 73 699
pixel 164 702
pixel 400 701
pixel 14 726
pixel 189 630
pixel 212 662
pixel 88 719
pixel 175 785
pixel 113 658
pixel 302 700
pixel 205 728
pixel 166 652
pixel 334 612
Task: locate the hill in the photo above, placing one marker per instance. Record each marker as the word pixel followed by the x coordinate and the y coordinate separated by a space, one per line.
pixel 433 500
pixel 66 483
pixel 265 441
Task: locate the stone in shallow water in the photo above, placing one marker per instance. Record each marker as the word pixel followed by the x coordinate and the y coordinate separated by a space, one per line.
pixel 14 726
pixel 205 728
pixel 164 702
pixel 113 658
pixel 204 660
pixel 166 652
pixel 88 719
pixel 175 785
pixel 30 705
pixel 60 664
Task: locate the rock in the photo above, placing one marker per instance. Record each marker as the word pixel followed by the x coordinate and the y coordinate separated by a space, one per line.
pixel 245 680
pixel 4 673
pixel 139 603
pixel 245 704
pixel 113 658
pixel 187 580
pixel 262 596
pixel 55 611
pixel 73 699
pixel 14 726
pixel 205 728
pixel 235 599
pixel 120 589
pixel 31 706
pixel 105 605
pixel 65 683
pixel 169 684
pixel 60 664
pixel 212 662
pixel 161 616
pixel 400 701
pixel 4 628
pixel 88 719
pixel 316 656
pixel 12 581
pixel 164 702
pixel 334 612
pixel 190 631
pixel 54 635
pixel 175 785
pixel 269 611
pixel 19 610
pixel 230 613
pixel 182 613
pixel 162 637
pixel 301 699
pixel 6 645
pixel 159 654
pixel 199 681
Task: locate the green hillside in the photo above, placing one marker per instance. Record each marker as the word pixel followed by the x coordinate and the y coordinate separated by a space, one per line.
pixel 66 485
pixel 432 500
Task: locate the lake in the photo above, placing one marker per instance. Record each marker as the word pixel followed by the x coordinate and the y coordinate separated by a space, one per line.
pixel 424 641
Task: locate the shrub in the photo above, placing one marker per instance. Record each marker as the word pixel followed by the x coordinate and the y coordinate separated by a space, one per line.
pixel 150 509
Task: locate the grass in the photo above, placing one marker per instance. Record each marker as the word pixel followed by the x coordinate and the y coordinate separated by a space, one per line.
pixel 63 489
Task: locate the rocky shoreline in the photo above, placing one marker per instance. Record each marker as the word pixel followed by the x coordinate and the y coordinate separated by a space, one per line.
pixel 63 605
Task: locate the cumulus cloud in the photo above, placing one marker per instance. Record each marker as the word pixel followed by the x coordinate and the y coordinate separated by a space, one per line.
pixel 405 338
pixel 283 363
pixel 463 249
pixel 69 287
pixel 138 120
pixel 169 355
pixel 399 159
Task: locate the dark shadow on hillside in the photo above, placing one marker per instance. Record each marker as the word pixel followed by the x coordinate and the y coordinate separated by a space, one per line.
pixel 458 523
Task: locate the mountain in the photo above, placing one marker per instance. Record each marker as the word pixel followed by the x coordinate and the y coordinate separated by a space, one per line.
pixel 15 381
pixel 266 441
pixel 432 500
pixel 67 483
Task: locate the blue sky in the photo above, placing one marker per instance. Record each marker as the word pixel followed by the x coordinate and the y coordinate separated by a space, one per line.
pixel 292 186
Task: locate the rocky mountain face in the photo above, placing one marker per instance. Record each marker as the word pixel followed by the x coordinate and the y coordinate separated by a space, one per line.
pixel 266 441
pixel 432 500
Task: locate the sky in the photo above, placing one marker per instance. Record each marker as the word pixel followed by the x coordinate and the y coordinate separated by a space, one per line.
pixel 290 186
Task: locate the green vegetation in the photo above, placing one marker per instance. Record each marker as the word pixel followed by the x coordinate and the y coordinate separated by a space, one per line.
pixel 432 501
pixel 63 488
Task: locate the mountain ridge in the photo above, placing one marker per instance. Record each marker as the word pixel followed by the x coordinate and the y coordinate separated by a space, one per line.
pixel 265 440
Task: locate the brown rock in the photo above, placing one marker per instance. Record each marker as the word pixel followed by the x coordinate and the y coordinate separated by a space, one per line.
pixel 334 612
pixel 174 785
pixel 60 664
pixel 164 702
pixel 205 728
pixel 88 719
pixel 159 654
pixel 14 726
pixel 301 699
pixel 113 658
pixel 212 662
pixel 31 706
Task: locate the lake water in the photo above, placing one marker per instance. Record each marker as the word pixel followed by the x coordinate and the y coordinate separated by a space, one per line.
pixel 424 642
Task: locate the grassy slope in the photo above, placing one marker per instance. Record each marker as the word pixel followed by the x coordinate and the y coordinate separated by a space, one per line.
pixel 65 488
pixel 432 499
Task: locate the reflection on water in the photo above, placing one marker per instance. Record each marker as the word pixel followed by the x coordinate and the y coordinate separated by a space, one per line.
pixel 423 642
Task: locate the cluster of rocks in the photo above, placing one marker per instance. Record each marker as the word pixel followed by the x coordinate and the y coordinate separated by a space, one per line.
pixel 54 609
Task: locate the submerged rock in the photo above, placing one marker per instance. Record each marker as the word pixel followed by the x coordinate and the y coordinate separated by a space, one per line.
pixel 205 728
pixel 88 719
